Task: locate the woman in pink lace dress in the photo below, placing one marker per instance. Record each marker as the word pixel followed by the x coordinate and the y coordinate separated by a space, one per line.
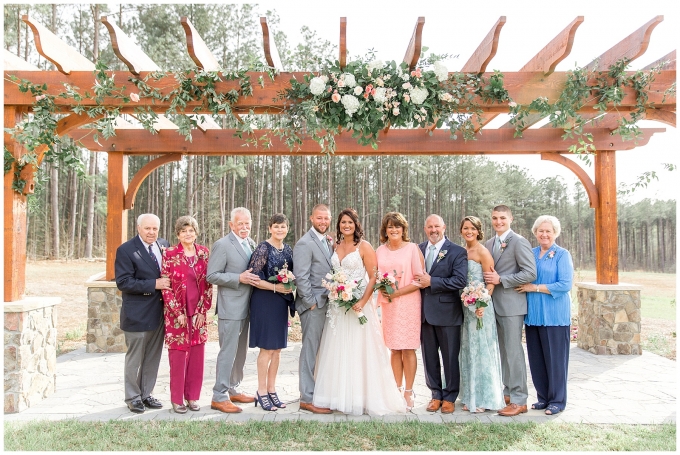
pixel 401 310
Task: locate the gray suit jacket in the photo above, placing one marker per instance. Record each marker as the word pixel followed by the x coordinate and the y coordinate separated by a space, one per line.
pixel 227 261
pixel 515 265
pixel 312 263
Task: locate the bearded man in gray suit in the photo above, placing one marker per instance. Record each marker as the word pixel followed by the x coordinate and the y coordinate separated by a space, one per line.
pixel 312 259
pixel 514 265
pixel 227 266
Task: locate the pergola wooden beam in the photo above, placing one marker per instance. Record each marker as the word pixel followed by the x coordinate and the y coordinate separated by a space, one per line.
pixel 127 51
pixel 271 54
pixel 342 48
pixel 523 87
pixel 415 45
pixel 399 141
pixel 11 62
pixel 197 49
pixel 588 184
pixel 480 59
pixel 143 173
pixel 50 46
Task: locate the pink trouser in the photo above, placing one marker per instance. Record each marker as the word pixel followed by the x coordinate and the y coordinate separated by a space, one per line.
pixel 186 373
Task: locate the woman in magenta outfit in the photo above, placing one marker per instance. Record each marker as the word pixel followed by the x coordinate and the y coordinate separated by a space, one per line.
pixel 186 306
pixel 401 310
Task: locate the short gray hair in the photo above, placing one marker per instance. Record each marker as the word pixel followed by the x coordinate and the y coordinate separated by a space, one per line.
pixel 547 219
pixel 144 215
pixel 186 221
pixel 241 210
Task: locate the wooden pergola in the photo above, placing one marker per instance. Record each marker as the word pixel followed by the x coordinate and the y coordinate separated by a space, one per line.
pixel 537 78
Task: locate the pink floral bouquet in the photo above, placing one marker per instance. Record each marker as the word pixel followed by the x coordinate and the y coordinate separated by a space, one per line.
pixel 475 295
pixel 387 282
pixel 284 276
pixel 345 292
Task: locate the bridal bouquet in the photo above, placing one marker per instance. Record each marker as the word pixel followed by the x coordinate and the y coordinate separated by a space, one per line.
pixel 387 282
pixel 284 276
pixel 344 291
pixel 475 295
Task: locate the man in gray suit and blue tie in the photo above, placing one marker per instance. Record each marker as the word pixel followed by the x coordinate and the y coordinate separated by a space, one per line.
pixel 227 266
pixel 312 259
pixel 513 266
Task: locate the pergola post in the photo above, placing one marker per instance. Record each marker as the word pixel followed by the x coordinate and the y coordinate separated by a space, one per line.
pixel 15 216
pixel 606 221
pixel 116 216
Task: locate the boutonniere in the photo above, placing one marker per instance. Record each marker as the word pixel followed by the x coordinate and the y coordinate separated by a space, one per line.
pixel 441 255
pixel 551 254
pixel 251 244
pixel 504 245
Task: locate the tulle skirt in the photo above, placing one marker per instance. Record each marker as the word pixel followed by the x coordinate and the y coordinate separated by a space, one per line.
pixel 353 369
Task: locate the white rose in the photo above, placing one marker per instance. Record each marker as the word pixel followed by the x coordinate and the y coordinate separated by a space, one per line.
pixel 351 104
pixel 350 81
pixel 404 77
pixel 358 90
pixel 324 79
pixel 406 85
pixel 446 96
pixel 418 95
pixel 441 71
pixel 379 95
pixel 395 111
pixel 317 86
pixel 375 64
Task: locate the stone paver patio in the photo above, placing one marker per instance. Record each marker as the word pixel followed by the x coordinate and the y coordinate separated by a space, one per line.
pixel 602 390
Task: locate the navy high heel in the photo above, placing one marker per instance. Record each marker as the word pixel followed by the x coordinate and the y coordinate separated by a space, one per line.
pixel 275 399
pixel 265 402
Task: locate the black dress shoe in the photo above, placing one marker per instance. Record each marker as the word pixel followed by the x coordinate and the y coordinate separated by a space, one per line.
pixel 151 402
pixel 136 406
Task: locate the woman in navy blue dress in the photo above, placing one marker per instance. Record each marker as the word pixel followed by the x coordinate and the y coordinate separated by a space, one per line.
pixel 270 303
pixel 548 319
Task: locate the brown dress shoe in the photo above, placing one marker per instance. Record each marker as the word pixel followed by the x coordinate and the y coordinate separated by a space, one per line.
pixel 512 410
pixel 507 399
pixel 225 406
pixel 448 407
pixel 315 409
pixel 434 405
pixel 242 398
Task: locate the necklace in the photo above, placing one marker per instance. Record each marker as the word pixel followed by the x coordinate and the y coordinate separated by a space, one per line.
pixel 280 250
pixel 193 262
pixel 391 248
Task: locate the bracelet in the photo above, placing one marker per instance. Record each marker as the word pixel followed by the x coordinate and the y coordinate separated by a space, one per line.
pixel 274 287
pixel 537 290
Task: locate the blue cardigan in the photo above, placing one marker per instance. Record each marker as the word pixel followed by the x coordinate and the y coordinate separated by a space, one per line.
pixel 556 273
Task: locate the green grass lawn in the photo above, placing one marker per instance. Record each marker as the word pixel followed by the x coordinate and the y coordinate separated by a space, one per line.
pixel 657 296
pixel 315 436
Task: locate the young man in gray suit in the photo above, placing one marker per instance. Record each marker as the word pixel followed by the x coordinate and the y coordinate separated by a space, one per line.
pixel 514 265
pixel 312 259
pixel 227 269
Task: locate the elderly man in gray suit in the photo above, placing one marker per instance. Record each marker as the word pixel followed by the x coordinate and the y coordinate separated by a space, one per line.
pixel 227 269
pixel 514 265
pixel 312 259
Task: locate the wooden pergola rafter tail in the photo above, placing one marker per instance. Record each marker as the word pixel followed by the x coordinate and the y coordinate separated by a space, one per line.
pixel 127 51
pixel 415 45
pixel 271 53
pixel 342 48
pixel 197 49
pixel 480 59
pixel 547 59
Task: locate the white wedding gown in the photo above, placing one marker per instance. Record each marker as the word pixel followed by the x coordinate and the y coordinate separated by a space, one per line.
pixel 353 370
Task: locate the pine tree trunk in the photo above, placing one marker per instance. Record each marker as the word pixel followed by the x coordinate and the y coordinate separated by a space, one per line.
pixel 89 228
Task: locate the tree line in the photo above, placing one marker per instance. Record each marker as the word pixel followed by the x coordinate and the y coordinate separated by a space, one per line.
pixel 67 213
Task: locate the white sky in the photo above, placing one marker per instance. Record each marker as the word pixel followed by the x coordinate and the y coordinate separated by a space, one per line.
pixel 458 28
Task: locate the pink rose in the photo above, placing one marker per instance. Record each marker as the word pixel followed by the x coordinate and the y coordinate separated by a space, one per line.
pixel 336 97
pixel 407 97
pixel 40 97
pixel 285 280
pixel 134 97
pixel 395 111
pixel 341 83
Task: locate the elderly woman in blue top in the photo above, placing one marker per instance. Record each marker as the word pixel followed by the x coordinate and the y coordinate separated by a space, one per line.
pixel 549 317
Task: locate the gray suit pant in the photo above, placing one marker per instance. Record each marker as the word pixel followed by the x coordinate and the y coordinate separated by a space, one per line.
pixel 142 359
pixel 233 334
pixel 311 322
pixel 513 363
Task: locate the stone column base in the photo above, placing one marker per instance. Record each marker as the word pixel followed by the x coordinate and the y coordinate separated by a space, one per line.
pixel 609 318
pixel 103 316
pixel 30 351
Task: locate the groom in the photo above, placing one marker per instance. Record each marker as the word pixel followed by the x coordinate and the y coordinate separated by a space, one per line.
pixel 312 259
pixel 442 313
pixel 514 265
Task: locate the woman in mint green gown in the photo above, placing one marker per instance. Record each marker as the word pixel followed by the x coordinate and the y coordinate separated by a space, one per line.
pixel 481 387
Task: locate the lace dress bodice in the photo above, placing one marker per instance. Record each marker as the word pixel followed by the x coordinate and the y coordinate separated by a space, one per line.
pixel 352 265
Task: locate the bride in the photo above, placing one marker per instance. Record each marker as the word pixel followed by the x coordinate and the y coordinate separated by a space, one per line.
pixel 353 371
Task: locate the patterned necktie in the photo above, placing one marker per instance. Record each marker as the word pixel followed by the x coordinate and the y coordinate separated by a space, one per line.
pixel 246 248
pixel 430 257
pixel 153 256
